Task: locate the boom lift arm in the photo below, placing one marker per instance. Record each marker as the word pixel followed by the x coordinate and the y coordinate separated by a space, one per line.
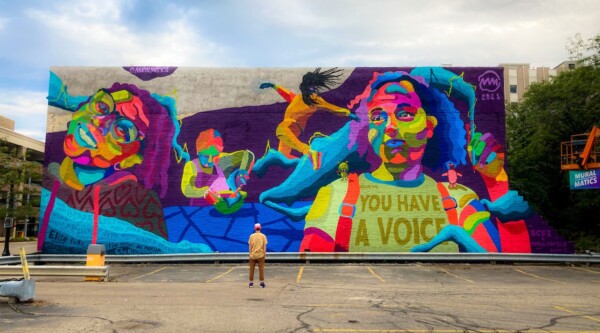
pixel 582 152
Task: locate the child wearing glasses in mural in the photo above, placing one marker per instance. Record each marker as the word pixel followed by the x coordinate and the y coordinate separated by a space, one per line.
pixel 302 107
pixel 118 147
pixel 215 177
pixel 397 207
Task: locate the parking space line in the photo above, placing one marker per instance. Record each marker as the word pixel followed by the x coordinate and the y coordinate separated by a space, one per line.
pixel 456 276
pixel 539 277
pixel 575 313
pixel 375 274
pixel 586 270
pixel 155 271
pixel 219 276
pixel 299 277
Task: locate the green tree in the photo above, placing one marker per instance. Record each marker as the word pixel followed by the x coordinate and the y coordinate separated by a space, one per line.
pixel 550 113
pixel 15 175
pixel 584 51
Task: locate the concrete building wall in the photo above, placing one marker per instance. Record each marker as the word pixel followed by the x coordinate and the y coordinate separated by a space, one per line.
pixel 171 160
pixel 7 123
pixel 518 78
pixel 566 66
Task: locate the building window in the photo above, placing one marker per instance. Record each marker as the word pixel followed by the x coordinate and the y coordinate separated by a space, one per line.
pixel 571 66
pixel 513 88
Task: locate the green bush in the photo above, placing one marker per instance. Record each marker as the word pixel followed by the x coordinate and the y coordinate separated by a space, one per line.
pixel 23 239
pixel 585 242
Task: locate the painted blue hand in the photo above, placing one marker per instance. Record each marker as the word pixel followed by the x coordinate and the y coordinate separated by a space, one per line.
pixel 454 234
pixel 237 179
pixel 241 178
pixel 509 207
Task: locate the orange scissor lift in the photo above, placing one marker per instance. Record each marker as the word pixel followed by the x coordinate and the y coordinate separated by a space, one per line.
pixel 582 152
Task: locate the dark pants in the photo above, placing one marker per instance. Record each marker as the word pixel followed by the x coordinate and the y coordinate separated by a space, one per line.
pixel 261 268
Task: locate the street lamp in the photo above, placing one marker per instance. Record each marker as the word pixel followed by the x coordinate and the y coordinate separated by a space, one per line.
pixel 7 226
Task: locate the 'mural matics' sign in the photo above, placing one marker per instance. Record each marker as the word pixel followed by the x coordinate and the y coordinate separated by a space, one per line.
pixel 584 179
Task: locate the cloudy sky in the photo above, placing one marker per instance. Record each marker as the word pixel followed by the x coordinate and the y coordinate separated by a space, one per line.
pixel 37 34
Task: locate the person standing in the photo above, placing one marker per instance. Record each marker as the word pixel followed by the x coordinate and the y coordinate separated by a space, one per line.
pixel 257 247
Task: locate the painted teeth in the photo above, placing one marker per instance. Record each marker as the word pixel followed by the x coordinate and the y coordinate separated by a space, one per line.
pixel 83 134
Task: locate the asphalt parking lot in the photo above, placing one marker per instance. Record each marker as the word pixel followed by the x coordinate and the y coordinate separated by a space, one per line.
pixel 316 298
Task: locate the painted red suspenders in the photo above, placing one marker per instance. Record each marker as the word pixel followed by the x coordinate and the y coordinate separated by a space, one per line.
pixel 346 212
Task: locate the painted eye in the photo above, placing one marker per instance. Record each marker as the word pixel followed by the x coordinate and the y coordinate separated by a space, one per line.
pixel 406 113
pixel 102 107
pixel 124 130
pixel 377 116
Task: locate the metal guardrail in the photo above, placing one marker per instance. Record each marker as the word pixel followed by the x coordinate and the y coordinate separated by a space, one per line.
pixel 9 266
pixel 17 270
pixel 298 257
pixel 10 260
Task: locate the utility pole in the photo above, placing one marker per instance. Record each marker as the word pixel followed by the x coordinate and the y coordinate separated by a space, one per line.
pixel 27 215
pixel 7 226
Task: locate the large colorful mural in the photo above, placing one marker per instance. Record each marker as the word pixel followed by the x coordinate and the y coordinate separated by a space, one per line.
pixel 187 160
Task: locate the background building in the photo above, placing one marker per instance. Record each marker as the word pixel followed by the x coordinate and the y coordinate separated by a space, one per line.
pixel 21 200
pixel 518 78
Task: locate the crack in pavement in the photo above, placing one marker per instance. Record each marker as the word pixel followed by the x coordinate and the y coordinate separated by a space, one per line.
pixel 304 325
pixel 16 309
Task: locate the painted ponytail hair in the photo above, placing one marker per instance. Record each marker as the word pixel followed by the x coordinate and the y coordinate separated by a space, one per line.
pixel 317 82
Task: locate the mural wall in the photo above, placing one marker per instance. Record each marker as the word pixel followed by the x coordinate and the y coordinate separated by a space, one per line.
pixel 186 160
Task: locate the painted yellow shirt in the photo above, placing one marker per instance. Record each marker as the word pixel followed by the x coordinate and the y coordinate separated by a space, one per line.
pixel 301 112
pixel 389 217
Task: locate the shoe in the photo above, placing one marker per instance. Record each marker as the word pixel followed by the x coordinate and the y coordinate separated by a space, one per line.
pixel 251 285
pixel 262 284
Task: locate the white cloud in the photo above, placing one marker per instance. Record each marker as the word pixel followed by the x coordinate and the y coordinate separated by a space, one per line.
pixel 94 33
pixel 300 15
pixel 32 133
pixel 270 33
pixel 467 33
pixel 292 33
pixel 23 103
pixel 28 109
pixel 178 45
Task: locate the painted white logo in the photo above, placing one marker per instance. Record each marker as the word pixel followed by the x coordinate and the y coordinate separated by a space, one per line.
pixel 489 81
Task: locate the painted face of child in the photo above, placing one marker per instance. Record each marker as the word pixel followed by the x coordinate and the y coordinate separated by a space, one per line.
pixel 398 125
pixel 209 157
pixel 209 145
